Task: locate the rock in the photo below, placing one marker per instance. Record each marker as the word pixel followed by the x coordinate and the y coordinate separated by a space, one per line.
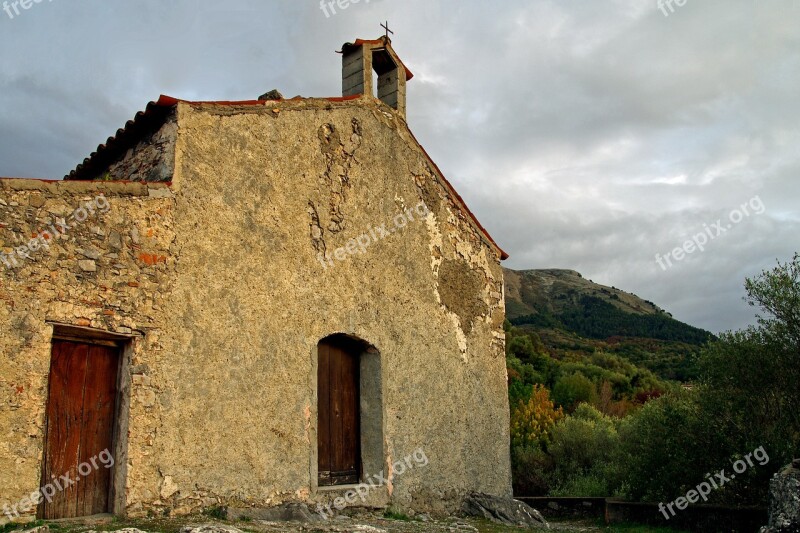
pixel 90 253
pixel 506 511
pixel 210 528
pixel 784 505
pixel 168 486
pixel 36 200
pixel 162 192
pixel 274 94
pixel 126 530
pixel 40 529
pixel 461 526
pixel 87 265
pixel 290 512
pixel 115 240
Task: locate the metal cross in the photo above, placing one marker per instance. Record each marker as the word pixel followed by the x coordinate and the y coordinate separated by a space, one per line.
pixel 386 27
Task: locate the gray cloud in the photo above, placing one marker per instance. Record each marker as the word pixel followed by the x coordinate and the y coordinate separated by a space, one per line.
pixel 585 135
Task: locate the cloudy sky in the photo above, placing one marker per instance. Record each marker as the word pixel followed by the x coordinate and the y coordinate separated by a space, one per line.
pixel 584 134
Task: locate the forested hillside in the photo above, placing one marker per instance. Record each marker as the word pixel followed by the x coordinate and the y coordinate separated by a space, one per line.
pixel 596 410
pixel 575 318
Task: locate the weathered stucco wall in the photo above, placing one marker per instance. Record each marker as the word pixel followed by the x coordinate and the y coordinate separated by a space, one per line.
pixel 264 190
pixel 226 282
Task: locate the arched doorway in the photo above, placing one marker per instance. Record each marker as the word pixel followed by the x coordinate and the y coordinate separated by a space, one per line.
pixel 339 411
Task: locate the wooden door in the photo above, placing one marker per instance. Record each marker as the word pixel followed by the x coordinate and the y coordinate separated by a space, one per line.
pixel 339 431
pixel 80 427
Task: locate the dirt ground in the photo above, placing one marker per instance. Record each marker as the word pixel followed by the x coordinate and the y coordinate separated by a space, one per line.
pixel 358 523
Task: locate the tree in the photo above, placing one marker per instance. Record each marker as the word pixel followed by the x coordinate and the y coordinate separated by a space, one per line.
pixel 660 448
pixel 749 390
pixel 777 293
pixel 528 348
pixel 750 379
pixel 584 448
pixel 572 389
pixel 532 420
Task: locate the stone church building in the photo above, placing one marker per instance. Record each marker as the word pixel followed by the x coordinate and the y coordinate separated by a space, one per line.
pixel 251 303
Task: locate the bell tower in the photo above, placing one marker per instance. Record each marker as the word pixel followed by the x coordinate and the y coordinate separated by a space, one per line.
pixel 361 58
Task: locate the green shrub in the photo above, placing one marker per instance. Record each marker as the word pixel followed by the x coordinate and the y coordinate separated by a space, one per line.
pixel 584 486
pixel 572 389
pixel 531 470
pixel 584 448
pixel 660 448
pixel 529 349
pixel 394 514
pixel 589 413
pixel 220 513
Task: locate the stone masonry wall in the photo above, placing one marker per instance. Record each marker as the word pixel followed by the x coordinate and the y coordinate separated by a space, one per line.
pixel 108 269
pixel 151 160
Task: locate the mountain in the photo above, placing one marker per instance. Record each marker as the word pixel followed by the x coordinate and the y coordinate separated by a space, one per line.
pixel 531 291
pixel 575 317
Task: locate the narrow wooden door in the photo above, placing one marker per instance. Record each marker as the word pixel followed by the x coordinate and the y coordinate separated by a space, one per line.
pixel 339 431
pixel 80 427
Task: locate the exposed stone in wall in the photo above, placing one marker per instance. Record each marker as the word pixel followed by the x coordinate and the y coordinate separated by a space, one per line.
pixel 317 232
pixel 431 192
pixel 453 235
pixel 461 289
pixel 151 160
pixel 339 159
